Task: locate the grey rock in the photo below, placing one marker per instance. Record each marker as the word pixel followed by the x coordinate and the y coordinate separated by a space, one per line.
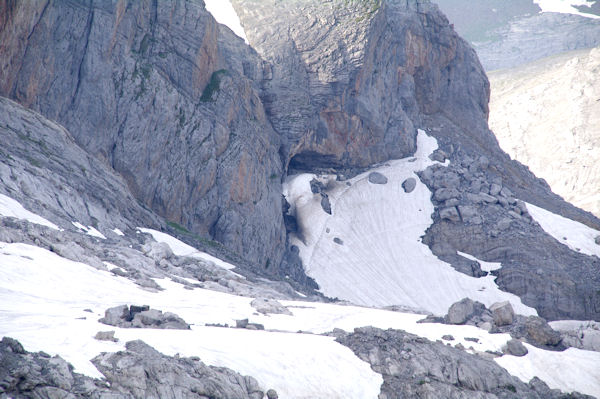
pixel 448 338
pixel 139 372
pixel 116 315
pixel 469 214
pixel 597 240
pixel 462 310
pixel 450 214
pixel 325 204
pixel 106 336
pixel 338 241
pixel 377 178
pixel 142 317
pixel 176 111
pixel 412 366
pixel 243 323
pixel 515 347
pixel 503 313
pixel 409 184
pixel 269 306
pixel 272 394
pixel 539 332
pixel 495 189
pixel 444 194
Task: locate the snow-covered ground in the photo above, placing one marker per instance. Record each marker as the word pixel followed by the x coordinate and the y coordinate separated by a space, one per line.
pixel 223 12
pixel 11 208
pixel 180 248
pixel 378 258
pixel 52 304
pixel 575 235
pixel 566 6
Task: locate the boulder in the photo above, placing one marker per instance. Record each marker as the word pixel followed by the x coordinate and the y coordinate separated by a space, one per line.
pixel 106 336
pixel 597 240
pixel 325 204
pixel 540 333
pixel 461 311
pixel 515 347
pixel 444 194
pixel 269 306
pixel 142 317
pixel 409 184
pixel 450 214
pixel 377 178
pixel 503 313
pixel 272 394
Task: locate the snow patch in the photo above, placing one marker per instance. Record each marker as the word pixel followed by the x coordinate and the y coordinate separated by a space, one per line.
pixel 485 266
pixel 180 248
pixel 575 235
pixel 35 310
pixel 566 6
pixel 118 232
pixel 378 258
pixel 89 230
pixel 11 208
pixel 223 12
pixel 570 370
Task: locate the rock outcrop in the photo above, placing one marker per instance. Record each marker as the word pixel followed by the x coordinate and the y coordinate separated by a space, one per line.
pixel 165 96
pixel 350 91
pixel 416 367
pixel 139 372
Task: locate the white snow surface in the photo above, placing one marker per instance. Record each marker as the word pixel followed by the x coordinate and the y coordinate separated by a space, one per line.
pixel 180 248
pixel 575 235
pixel 566 6
pixel 382 260
pixel 223 12
pixel 118 232
pixel 570 370
pixel 44 297
pixel 11 208
pixel 89 230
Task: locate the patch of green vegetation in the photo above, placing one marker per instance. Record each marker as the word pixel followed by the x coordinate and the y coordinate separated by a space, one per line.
pixel 422 382
pixel 181 117
pixel 212 86
pixel 274 176
pixel 162 55
pixel 178 227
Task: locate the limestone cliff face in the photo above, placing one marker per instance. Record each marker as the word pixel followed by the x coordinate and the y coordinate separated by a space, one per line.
pixel 165 96
pixel 351 80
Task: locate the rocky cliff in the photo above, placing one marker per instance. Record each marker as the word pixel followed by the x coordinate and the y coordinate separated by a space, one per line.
pixel 202 127
pixel 166 97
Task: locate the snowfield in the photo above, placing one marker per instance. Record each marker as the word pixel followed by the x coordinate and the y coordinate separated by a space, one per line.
pixel 575 235
pixel 378 259
pixel 53 304
pixel 11 208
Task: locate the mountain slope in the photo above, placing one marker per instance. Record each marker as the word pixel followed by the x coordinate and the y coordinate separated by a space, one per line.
pixel 506 34
pixel 546 115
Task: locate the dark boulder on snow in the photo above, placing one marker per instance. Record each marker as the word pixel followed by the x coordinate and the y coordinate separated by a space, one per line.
pixel 142 317
pixel 377 178
pixel 409 185
pixel 515 347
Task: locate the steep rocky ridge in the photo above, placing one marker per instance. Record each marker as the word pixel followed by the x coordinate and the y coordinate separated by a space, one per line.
pixel 167 97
